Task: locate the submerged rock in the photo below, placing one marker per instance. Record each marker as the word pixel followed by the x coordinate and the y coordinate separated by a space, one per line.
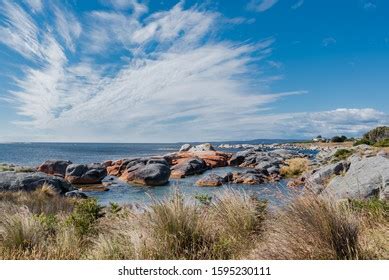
pixel 85 173
pixel 54 167
pixel 13 181
pixel 214 180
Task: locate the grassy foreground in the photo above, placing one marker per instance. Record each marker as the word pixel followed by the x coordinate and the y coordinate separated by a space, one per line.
pixel 44 225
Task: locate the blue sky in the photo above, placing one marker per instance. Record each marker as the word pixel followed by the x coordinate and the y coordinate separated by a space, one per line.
pixel 167 71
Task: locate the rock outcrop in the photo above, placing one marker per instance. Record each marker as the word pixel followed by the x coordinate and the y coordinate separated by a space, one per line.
pixel 202 148
pixel 185 147
pixel 188 166
pixel 366 177
pixel 319 178
pixel 151 174
pixel 212 159
pixel 13 181
pixel 76 194
pixel 263 161
pixel 54 167
pixel 249 177
pixel 85 173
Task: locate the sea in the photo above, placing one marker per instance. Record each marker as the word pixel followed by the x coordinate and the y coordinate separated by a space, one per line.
pixel 33 154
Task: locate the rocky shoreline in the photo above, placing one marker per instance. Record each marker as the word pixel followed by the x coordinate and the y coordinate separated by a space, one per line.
pixel 258 166
pixel 363 174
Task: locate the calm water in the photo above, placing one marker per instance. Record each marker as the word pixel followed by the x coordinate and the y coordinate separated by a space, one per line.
pixel 35 153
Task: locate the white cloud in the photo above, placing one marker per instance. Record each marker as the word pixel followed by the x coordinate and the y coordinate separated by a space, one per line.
pixel 137 7
pixel 275 64
pixel 328 41
pixel 68 27
pixel 36 5
pixel 303 125
pixel 261 5
pixel 174 81
pixel 188 80
pixel 369 5
pixel 297 4
pixel 19 31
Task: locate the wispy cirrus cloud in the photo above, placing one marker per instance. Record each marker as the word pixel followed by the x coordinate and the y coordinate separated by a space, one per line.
pixel 36 5
pixel 173 77
pixel 261 5
pixel 169 78
pixel 329 41
pixel 297 5
pixel 369 5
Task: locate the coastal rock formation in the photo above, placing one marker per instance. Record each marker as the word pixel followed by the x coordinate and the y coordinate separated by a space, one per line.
pixel 85 173
pixel 185 147
pixel 214 180
pixel 249 177
pixel 366 177
pixel 152 174
pixel 13 181
pixel 148 171
pixel 188 166
pixel 212 159
pixel 202 148
pixel 76 194
pixel 319 178
pixel 54 167
pixel 118 167
pixel 263 161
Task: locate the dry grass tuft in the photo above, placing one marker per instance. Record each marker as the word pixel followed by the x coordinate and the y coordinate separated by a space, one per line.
pixel 232 225
pixel 295 167
pixel 43 200
pixel 312 227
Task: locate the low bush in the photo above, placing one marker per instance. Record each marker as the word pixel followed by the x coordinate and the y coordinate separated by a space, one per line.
pixel 85 215
pixel 338 139
pixel 342 154
pixel 374 207
pixel 382 143
pixel 362 142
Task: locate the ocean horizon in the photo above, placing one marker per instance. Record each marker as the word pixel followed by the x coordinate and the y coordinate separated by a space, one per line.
pixel 34 153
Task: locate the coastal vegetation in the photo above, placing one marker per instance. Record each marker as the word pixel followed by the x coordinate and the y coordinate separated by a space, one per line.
pixel 233 225
pixel 378 137
pixel 294 167
pixel 336 206
pixel 342 154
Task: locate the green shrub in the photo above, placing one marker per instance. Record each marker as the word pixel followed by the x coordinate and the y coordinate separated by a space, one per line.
pixel 362 142
pixel 377 134
pixel 49 222
pixel 339 139
pixel 372 207
pixel 382 143
pixel 204 199
pixel 342 154
pixel 114 208
pixel 84 216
